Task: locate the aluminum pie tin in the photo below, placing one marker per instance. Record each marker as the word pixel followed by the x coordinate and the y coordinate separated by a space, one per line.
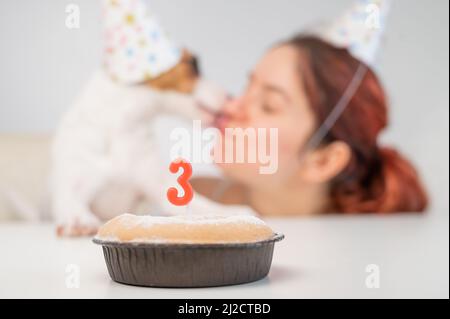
pixel 187 265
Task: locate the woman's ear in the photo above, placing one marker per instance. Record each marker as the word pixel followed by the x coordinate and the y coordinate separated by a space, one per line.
pixel 325 163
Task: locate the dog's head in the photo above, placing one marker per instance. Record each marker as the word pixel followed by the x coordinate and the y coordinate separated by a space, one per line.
pixel 181 78
pixel 185 78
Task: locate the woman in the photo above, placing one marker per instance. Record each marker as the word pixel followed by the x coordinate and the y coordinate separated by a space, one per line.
pixel 294 88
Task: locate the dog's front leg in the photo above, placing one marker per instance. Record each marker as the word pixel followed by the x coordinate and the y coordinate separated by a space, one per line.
pixel 71 206
pixel 186 106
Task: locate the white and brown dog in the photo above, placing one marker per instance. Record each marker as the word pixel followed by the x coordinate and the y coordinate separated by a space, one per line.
pixel 104 156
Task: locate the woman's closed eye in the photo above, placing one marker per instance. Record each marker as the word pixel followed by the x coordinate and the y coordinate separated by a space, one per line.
pixel 269 108
pixel 271 103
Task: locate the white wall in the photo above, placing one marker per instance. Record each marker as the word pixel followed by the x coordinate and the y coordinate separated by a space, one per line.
pixel 43 64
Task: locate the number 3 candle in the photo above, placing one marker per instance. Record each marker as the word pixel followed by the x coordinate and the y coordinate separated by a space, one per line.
pixel 183 181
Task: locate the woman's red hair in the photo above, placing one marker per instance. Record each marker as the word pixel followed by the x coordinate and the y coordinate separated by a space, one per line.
pixel 377 179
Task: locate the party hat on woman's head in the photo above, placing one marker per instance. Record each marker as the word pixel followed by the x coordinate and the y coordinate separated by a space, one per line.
pixel 136 47
pixel 360 29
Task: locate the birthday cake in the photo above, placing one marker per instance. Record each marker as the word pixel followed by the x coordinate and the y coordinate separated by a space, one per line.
pixel 185 229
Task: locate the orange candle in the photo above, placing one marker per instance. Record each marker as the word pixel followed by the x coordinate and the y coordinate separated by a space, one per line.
pixel 183 180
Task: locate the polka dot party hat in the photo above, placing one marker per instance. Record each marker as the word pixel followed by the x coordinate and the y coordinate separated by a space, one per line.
pixel 136 48
pixel 360 29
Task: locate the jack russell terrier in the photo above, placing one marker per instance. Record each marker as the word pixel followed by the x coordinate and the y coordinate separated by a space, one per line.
pixel 104 155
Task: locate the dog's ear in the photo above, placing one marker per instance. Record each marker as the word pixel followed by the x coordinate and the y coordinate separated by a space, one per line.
pixel 195 66
pixel 193 61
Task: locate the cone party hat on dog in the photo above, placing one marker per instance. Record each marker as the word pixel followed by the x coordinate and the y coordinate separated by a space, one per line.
pixel 360 29
pixel 136 48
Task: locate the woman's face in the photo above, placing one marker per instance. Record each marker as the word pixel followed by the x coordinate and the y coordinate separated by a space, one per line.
pixel 274 98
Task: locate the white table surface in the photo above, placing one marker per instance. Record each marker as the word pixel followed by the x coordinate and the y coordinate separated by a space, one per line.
pixel 323 257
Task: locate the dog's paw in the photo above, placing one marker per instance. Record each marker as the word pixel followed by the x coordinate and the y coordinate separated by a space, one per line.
pixel 78 228
pixel 75 230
